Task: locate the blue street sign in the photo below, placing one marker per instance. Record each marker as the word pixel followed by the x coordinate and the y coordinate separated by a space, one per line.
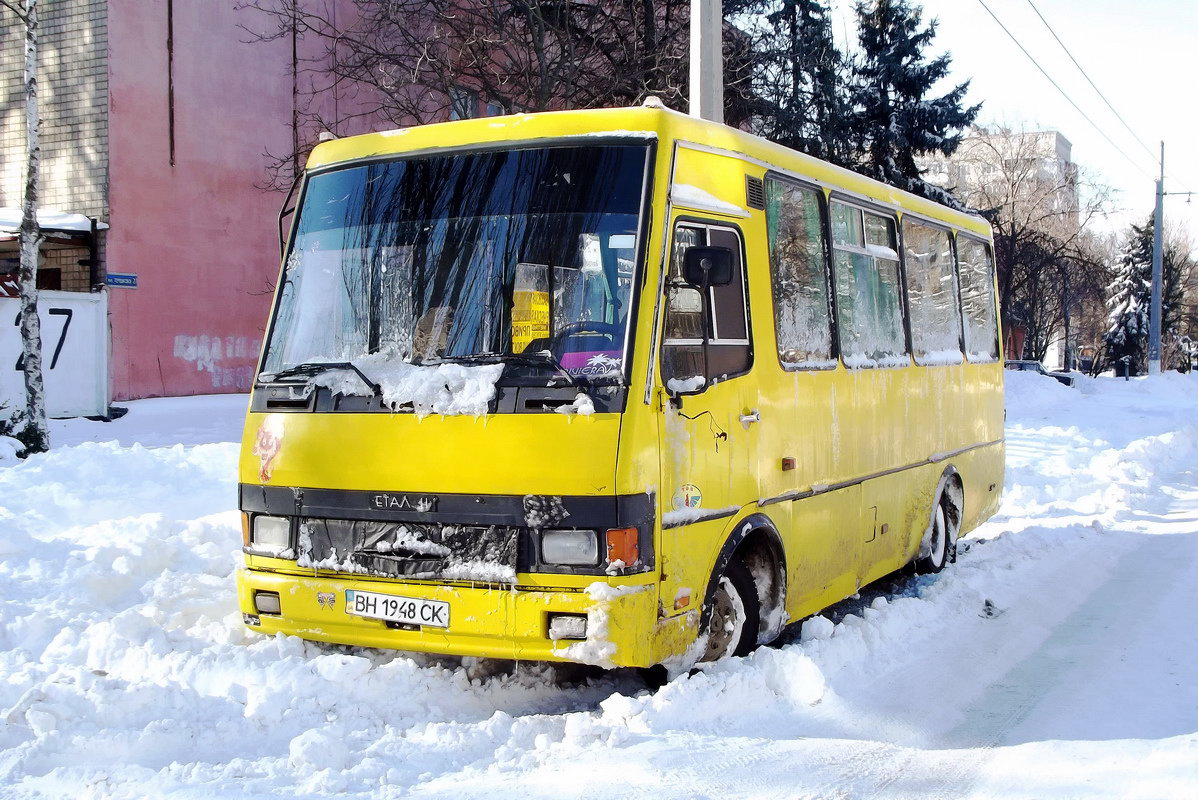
pixel 124 281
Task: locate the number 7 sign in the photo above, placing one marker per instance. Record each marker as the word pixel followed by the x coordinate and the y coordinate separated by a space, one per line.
pixel 66 314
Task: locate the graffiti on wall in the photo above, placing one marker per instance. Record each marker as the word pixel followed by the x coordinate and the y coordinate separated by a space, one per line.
pixel 224 358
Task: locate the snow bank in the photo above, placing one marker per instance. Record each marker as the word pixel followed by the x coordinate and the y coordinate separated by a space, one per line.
pixel 125 671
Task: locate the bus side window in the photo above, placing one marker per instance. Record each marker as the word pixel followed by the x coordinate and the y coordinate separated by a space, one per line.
pixel 869 313
pixel 931 294
pixel 726 328
pixel 976 268
pixel 798 268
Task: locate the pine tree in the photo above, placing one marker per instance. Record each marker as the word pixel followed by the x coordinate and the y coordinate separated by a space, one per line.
pixel 894 117
pixel 803 83
pixel 1129 298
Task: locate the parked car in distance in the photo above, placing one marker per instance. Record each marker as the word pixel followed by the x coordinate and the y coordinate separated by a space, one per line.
pixel 1036 366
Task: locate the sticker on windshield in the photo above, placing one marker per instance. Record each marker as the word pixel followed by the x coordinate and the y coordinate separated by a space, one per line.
pixel 593 363
pixel 530 305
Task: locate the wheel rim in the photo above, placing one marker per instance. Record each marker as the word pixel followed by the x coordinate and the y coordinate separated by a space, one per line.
pixel 726 613
pixel 939 537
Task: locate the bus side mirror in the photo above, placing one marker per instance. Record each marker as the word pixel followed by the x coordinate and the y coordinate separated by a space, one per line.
pixel 703 267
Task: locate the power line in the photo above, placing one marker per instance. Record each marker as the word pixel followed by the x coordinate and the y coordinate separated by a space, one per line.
pixel 1063 92
pixel 1119 116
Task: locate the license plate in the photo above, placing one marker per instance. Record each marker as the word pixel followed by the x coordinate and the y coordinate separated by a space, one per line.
pixel 409 610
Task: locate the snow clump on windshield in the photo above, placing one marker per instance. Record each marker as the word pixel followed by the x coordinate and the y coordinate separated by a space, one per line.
pixel 449 389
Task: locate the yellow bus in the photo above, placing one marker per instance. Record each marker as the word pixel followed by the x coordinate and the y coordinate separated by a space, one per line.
pixel 619 387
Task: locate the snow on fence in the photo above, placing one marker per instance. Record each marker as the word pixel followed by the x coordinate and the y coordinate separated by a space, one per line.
pixel 74 353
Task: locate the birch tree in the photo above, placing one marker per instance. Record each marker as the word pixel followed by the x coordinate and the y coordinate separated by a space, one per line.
pixel 35 433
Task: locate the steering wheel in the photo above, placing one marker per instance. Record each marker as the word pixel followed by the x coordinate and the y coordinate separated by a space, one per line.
pixel 611 330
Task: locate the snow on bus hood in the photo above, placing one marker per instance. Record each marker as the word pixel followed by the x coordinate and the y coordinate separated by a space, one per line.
pixel 450 389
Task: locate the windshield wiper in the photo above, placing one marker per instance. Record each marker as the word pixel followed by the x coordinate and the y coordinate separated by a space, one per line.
pixel 543 358
pixel 313 368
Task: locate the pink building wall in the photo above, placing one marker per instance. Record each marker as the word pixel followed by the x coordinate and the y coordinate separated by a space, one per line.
pixel 200 237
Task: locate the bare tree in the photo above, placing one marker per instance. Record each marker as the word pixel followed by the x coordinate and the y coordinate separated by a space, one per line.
pixel 409 62
pixel 1049 261
pixel 35 433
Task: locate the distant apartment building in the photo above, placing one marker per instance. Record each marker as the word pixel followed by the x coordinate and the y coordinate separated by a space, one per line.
pixel 983 157
pixel 157 118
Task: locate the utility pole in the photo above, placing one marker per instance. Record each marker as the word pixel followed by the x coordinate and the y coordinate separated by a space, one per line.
pixel 707 60
pixel 1154 323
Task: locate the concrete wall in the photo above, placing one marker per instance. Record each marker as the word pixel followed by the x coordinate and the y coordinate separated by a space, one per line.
pixel 198 234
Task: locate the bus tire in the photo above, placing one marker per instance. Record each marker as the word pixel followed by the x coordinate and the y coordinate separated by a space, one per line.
pixel 937 543
pixel 735 614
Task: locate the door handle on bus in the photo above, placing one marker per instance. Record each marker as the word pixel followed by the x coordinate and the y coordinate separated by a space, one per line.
pixel 750 418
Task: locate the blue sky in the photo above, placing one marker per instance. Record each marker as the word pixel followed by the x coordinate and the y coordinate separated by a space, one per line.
pixel 1143 55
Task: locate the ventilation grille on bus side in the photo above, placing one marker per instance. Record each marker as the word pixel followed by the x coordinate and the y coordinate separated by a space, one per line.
pixel 755 192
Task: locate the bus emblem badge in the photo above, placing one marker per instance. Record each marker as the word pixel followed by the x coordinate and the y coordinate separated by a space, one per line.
pixel 326 599
pixel 688 496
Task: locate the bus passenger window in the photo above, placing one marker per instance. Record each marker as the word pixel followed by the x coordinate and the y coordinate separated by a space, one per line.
pixel 802 307
pixel 977 299
pixel 720 318
pixel 931 294
pixel 868 311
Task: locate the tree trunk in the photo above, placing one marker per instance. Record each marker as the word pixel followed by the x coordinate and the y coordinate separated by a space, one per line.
pixel 36 434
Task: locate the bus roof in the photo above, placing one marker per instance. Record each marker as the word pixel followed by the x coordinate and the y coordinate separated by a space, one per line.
pixel 645 122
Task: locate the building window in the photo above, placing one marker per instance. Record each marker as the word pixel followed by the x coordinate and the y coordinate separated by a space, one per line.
pixel 463 103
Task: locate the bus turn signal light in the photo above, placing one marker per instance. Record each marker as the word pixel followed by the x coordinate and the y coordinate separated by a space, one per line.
pixel 245 529
pixel 622 546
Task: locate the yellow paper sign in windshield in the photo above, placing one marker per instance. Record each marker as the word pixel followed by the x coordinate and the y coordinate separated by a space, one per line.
pixel 530 318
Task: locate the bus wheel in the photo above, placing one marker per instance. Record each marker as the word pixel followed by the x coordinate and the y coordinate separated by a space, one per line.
pixel 735 614
pixel 934 549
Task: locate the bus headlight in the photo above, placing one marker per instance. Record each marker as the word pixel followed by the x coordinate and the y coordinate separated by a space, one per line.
pixel 270 535
pixel 570 548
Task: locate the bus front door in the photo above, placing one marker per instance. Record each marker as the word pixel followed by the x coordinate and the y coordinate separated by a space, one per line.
pixel 708 441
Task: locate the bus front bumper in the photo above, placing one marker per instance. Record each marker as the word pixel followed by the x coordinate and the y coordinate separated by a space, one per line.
pixel 623 629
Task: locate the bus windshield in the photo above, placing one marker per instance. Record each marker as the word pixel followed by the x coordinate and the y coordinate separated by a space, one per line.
pixel 466 257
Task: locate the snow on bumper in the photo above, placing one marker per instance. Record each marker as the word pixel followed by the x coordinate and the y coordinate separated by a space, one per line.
pixel 485 622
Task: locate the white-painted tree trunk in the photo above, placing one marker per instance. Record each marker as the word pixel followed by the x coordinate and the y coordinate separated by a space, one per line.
pixel 36 434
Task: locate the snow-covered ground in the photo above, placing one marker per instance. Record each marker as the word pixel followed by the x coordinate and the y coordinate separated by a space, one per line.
pixel 1056 659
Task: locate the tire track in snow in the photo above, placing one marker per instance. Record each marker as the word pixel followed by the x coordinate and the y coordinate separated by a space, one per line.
pixel 1151 582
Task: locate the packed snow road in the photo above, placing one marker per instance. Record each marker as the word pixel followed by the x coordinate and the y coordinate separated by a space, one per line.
pixel 1055 659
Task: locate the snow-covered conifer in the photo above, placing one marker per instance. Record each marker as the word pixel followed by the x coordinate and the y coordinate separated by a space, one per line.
pixel 894 116
pixel 1129 298
pixel 803 83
